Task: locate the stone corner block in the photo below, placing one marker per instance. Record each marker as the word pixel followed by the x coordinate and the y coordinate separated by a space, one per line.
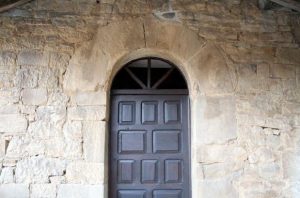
pixel 80 172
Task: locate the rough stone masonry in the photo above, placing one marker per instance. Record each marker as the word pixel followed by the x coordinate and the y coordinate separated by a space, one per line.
pixel 242 64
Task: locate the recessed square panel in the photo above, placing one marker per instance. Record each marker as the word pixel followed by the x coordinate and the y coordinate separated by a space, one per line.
pixel 173 171
pixel 131 194
pixel 149 112
pixel 166 141
pixel 131 142
pixel 167 194
pixel 127 112
pixel 149 171
pixel 172 112
pixel 125 171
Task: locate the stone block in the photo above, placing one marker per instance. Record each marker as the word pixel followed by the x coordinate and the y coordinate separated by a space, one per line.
pixel 87 113
pixel 94 141
pixel 73 130
pixel 49 121
pixel 7 58
pixel 80 191
pixel 282 71
pixel 80 172
pixel 9 109
pixel 288 55
pixel 7 175
pixel 57 98
pixel 221 153
pixel 211 72
pixel 26 77
pixel 221 188
pixel 91 98
pixel 291 168
pixel 33 58
pixel 13 123
pixel 38 169
pixel 220 170
pixel 14 191
pixel 43 190
pixel 34 96
pixel 214 119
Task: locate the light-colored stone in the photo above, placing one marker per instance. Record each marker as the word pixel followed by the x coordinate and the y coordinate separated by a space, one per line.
pixel 221 154
pixel 7 175
pixel 43 190
pixel 291 168
pixel 13 123
pixel 215 119
pixel 80 191
pixel 94 141
pixel 14 191
pixel 91 98
pixel 7 58
pixel 49 122
pixel 81 172
pixel 221 188
pixel 9 109
pixel 33 57
pixel 38 169
pixel 34 96
pixel 87 113
pixel 27 78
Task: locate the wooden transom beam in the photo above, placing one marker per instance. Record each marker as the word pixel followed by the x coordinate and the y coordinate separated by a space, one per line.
pixel 291 4
pixel 12 4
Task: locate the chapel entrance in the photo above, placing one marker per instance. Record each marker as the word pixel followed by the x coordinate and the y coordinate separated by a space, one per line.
pixel 149 133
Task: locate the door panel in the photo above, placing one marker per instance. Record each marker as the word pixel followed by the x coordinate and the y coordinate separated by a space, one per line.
pixel 149 147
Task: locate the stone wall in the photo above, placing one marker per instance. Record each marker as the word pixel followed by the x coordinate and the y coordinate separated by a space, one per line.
pixel 58 58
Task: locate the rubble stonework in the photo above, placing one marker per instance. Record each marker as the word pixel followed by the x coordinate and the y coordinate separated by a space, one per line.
pixel 242 65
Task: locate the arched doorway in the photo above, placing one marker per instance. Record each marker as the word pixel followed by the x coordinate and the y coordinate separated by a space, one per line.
pixel 149 131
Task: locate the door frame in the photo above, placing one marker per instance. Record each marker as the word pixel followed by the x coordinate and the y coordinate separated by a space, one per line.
pixel 150 92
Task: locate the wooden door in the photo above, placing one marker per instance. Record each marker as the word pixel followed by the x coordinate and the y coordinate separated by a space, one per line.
pixel 149 147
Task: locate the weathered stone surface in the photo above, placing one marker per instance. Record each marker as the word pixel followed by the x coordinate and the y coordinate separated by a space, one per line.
pixel 91 98
pixel 38 169
pixel 222 188
pixel 43 190
pixel 215 119
pixel 288 55
pixel 26 78
pixel 33 57
pixel 34 96
pixel 81 172
pixel 291 168
pixel 87 113
pixel 9 109
pixel 80 191
pixel 7 175
pixel 243 76
pixel 282 71
pixel 49 121
pixel 7 58
pixel 94 141
pixel 221 154
pixel 211 72
pixel 13 123
pixel 14 191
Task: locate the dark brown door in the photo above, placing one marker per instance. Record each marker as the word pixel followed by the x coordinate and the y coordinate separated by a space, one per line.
pixel 149 147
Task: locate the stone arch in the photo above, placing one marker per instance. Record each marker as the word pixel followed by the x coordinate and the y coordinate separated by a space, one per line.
pixel 95 62
pixel 206 69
